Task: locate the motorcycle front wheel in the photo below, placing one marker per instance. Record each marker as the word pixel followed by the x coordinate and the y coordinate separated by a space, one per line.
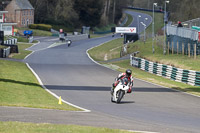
pixel 120 95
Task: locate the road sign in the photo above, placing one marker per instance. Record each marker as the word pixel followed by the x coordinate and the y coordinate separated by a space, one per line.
pixel 125 29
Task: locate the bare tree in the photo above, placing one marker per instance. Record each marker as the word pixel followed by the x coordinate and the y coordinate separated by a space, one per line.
pixel 114 5
pixel 104 20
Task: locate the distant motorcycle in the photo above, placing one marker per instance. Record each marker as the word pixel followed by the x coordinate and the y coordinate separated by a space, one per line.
pixel 120 90
pixel 69 42
pixel 63 37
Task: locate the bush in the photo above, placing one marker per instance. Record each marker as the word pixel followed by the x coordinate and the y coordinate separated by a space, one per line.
pixel 104 28
pixel 65 28
pixel 40 27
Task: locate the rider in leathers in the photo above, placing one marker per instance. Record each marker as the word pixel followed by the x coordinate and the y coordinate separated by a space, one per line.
pixel 128 75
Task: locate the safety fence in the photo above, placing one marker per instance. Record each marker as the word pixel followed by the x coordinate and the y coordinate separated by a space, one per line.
pixel 182 40
pixel 11 41
pixel 170 72
pixel 12 47
pixel 183 32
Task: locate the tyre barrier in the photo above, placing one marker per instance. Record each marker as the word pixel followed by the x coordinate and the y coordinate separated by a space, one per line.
pixel 5 52
pixel 11 41
pixel 180 75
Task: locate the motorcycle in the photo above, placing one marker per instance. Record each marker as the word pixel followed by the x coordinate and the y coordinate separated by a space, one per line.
pixel 119 91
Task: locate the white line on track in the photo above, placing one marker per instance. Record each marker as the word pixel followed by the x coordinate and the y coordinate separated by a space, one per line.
pixel 39 80
pixel 137 78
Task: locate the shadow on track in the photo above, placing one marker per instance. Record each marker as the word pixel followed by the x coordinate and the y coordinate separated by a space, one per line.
pixel 99 88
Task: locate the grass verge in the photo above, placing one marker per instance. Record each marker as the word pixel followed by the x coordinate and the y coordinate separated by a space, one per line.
pixel 138 73
pixel 22 52
pixel 19 127
pixel 98 54
pixel 19 87
pixel 130 19
pixel 107 51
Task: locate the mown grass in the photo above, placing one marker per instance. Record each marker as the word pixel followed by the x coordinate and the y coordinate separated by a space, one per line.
pixel 180 61
pixel 19 87
pixel 110 49
pixel 22 52
pixel 20 127
pixel 129 21
pixel 138 73
pixel 19 39
pixel 41 33
pixel 104 28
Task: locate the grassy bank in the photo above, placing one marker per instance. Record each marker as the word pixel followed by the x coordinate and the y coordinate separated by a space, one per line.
pixel 180 61
pixel 129 21
pixel 112 50
pixel 19 127
pixel 107 51
pixel 138 73
pixel 19 87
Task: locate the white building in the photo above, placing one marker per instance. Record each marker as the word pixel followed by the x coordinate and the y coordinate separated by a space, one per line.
pixel 8 28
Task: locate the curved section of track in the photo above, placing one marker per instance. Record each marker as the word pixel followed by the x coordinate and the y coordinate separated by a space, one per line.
pixel 68 72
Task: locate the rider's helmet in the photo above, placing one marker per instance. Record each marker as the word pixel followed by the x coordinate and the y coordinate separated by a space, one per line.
pixel 128 72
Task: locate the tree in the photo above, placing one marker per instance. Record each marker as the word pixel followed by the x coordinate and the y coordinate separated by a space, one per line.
pixel 89 11
pixel 55 12
pixel 114 6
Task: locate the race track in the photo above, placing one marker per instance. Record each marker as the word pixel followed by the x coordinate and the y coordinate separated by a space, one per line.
pixel 70 73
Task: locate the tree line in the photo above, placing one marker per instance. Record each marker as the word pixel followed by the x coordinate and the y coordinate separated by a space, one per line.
pixel 76 13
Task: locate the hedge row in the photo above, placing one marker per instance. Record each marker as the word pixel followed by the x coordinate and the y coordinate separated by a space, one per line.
pixel 40 27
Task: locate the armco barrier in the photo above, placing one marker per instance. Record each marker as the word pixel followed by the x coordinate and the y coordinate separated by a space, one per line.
pixel 170 72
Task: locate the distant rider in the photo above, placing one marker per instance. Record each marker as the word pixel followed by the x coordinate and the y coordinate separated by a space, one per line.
pixel 127 75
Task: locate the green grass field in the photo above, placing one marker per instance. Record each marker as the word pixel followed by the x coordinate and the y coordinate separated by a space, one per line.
pixel 19 87
pixel 112 50
pixel 19 127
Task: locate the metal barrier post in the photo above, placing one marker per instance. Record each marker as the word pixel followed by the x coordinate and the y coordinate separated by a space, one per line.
pixel 195 51
pixel 168 47
pixel 188 49
pixel 177 47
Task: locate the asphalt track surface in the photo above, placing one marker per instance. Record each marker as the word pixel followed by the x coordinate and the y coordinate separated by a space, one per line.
pixel 70 73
